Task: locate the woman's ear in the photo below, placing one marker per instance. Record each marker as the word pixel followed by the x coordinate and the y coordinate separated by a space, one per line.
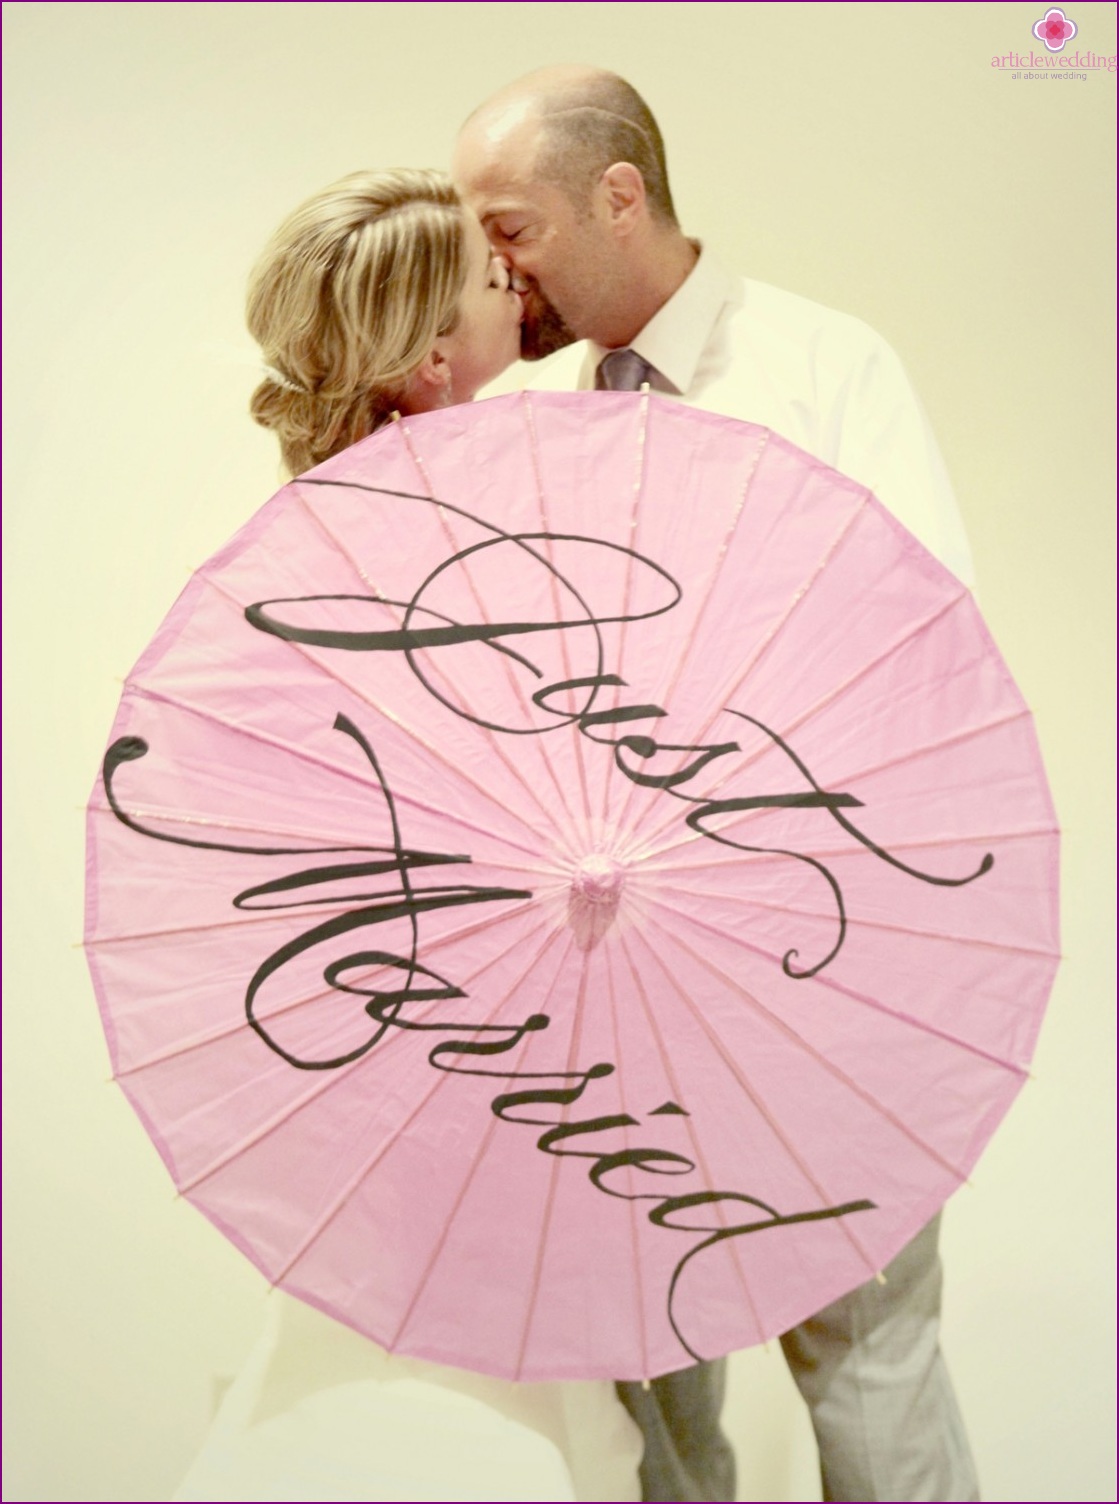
pixel 429 386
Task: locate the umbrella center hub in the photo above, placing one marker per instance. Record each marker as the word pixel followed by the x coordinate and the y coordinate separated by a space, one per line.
pixel 598 880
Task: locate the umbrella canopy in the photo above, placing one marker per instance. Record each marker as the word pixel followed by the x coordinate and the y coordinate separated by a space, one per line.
pixel 571 886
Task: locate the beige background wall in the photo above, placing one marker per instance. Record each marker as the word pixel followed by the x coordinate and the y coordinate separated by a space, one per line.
pixel 869 157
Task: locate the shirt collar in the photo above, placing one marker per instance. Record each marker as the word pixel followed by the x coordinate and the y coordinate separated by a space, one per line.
pixel 675 337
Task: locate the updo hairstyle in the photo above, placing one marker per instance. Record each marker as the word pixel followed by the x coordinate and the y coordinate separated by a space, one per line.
pixel 346 302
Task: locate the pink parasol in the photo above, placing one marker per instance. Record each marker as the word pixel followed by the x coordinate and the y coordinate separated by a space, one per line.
pixel 571 887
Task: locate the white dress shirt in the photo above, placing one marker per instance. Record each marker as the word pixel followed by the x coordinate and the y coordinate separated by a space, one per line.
pixel 819 378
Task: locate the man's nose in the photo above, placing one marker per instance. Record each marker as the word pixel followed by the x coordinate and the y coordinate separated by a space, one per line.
pixel 516 281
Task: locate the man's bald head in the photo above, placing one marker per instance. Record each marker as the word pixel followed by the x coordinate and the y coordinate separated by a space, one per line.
pixel 581 121
pixel 565 169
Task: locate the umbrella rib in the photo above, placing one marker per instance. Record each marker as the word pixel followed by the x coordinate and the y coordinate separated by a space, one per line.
pixel 954 739
pixel 778 628
pixel 147 813
pixel 318 1089
pixel 750 1091
pixel 553 1179
pixel 860 997
pixel 941 842
pixel 925 1028
pixel 976 941
pixel 915 754
pixel 303 755
pixel 323 666
pixel 709 589
pixel 250 918
pixel 214 1036
pixel 185 1047
pixel 529 419
pixel 635 1242
pixel 342 1199
pixel 490 734
pixel 638 492
pixel 766 856
pixel 348 1190
pixel 325 1082
pixel 677 1093
pixel 441 1240
pixel 915 631
pixel 437 1251
pixel 739 676
pixel 800 1042
pixel 406 436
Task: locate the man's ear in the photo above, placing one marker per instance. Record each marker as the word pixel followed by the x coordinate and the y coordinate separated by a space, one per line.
pixel 623 191
pixel 430 385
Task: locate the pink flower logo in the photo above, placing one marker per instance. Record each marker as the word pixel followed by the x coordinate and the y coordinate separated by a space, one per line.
pixel 1055 29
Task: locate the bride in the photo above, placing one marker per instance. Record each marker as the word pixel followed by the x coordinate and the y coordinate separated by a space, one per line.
pixel 378 295
pixel 381 295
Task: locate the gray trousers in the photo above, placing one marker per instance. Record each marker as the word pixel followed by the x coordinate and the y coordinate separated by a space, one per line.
pixel 870 1370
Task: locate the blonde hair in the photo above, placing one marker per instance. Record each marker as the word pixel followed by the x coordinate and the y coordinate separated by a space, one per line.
pixel 346 302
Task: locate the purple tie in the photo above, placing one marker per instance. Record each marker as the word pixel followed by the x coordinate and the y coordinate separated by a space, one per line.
pixel 621 371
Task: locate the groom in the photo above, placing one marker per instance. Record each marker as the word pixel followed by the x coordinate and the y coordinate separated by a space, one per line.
pixel 566 170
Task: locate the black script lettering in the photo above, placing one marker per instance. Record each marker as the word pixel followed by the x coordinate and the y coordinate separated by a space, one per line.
pixel 592 683
pixel 661 1214
pixel 556 1096
pixel 644 747
pixel 637 1159
pixel 409 638
pixel 456 1047
pixel 405 902
pixel 385 1004
pixel 833 803
pixel 726 806
pixel 383 640
pixel 577 1129
pixel 417 983
pixel 586 719
pixel 629 749
pixel 343 871
pixel 814 798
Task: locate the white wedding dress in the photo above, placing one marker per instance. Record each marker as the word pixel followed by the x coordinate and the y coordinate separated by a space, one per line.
pixel 321 1413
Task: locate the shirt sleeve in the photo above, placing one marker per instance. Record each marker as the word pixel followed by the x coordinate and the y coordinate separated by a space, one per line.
pixel 883 439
